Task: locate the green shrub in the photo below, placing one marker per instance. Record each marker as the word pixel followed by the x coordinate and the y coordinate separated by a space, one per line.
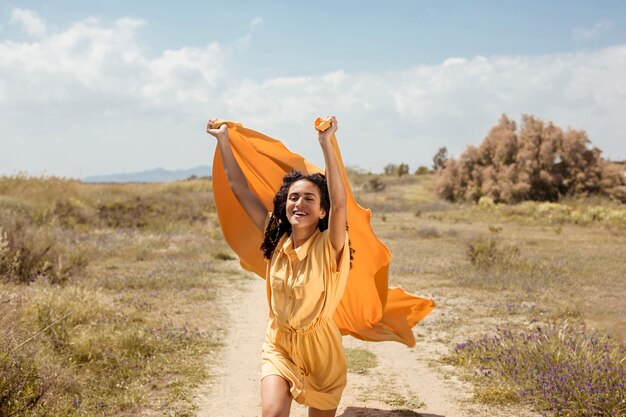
pixel 422 170
pixel 29 381
pixel 486 203
pixel 21 387
pixel 487 253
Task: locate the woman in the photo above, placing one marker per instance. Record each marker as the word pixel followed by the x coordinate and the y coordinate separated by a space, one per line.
pixel 306 245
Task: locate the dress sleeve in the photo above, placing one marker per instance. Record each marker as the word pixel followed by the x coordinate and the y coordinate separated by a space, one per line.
pixel 329 255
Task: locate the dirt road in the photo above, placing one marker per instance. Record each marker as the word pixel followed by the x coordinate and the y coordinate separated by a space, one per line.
pixel 404 383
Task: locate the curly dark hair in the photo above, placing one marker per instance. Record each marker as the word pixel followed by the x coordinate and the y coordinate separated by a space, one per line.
pixel 278 223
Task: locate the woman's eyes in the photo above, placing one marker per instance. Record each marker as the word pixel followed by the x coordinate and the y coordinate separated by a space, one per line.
pixel 295 198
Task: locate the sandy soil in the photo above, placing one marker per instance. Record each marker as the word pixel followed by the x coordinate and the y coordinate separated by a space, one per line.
pixel 406 382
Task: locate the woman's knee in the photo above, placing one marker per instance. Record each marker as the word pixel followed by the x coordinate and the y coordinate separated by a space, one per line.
pixel 275 397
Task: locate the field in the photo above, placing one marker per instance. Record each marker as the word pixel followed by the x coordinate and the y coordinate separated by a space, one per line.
pixel 112 297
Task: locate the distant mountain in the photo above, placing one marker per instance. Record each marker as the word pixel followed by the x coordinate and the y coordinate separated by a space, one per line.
pixel 154 175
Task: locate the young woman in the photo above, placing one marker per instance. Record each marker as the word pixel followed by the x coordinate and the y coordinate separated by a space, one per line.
pixel 306 246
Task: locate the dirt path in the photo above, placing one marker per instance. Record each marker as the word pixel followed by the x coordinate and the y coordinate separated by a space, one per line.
pixel 403 380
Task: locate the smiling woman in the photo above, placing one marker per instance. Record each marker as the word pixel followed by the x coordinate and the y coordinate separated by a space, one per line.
pixel 306 246
pixel 303 235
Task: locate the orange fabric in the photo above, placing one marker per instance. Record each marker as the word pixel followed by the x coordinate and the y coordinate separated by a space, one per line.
pixel 369 310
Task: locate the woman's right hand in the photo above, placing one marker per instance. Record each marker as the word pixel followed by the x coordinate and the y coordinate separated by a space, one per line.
pixel 220 132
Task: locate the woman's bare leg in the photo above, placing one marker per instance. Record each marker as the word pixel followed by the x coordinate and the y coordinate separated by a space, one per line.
pixel 314 412
pixel 275 396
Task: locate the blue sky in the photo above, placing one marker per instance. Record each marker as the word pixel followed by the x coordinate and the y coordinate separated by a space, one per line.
pixel 109 86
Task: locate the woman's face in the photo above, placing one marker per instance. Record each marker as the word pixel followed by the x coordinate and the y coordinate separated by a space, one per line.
pixel 304 204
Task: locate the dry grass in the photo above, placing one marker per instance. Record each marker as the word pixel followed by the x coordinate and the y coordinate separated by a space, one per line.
pixel 360 360
pixel 127 333
pixel 130 333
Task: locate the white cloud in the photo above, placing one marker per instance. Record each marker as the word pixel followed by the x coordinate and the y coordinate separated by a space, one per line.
pixel 244 41
pixel 256 22
pixel 30 21
pixel 91 59
pixel 90 100
pixel 407 115
pixel 586 33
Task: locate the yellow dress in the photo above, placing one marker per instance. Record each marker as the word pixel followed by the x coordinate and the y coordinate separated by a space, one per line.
pixel 303 344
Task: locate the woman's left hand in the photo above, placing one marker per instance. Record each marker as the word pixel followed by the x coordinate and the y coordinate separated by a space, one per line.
pixel 328 133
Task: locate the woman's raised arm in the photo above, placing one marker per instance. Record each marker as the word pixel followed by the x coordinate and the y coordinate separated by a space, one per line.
pixel 336 188
pixel 237 181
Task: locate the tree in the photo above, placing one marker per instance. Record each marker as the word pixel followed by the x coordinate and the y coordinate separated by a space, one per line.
pixel 403 169
pixel 422 170
pixel 440 158
pixel 539 162
pixel 390 169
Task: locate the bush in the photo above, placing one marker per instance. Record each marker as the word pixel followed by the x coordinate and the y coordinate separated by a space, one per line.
pixel 84 351
pixel 21 387
pixel 28 381
pixel 422 170
pixel 390 169
pixel 403 169
pixel 27 254
pixel 486 253
pixel 440 158
pixel 564 370
pixel 559 213
pixel 541 162
pixel 375 185
pixel 132 214
pixel 71 213
pixel 486 204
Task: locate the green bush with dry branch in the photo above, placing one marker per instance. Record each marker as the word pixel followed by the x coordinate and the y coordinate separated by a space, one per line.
pixel 496 265
pixel 487 254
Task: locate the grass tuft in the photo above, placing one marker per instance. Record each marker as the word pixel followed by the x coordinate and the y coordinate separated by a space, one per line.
pixel 28 254
pixel 487 254
pixel 360 361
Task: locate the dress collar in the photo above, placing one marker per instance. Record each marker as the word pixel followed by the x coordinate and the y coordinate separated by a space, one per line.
pixel 303 250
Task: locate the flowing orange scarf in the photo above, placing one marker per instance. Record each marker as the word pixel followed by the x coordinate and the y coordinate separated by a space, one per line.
pixel 369 309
